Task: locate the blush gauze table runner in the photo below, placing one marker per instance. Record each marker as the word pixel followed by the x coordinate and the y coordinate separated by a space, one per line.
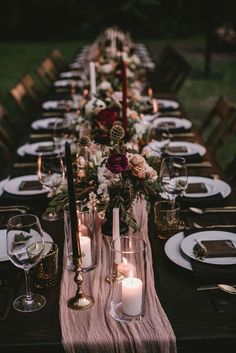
pixel 94 330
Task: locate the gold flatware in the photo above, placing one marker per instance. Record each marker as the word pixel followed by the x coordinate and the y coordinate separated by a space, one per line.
pixel 20 210
pixel 227 288
pixel 212 226
pixel 212 286
pixel 183 134
pixel 226 209
pixel 22 207
pixel 37 136
pixel 205 164
pixel 25 165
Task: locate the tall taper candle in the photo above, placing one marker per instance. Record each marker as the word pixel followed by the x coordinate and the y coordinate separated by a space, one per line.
pixel 124 95
pixel 92 73
pixel 116 234
pixel 72 203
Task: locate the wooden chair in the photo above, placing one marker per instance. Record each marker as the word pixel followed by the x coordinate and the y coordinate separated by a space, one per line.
pixel 221 133
pixel 231 171
pixel 13 128
pixel 47 73
pixel 31 88
pixel 19 93
pixel 220 121
pixel 58 60
pixel 171 71
pixel 5 154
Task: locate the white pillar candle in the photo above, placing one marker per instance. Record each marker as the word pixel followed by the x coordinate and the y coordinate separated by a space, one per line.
pixel 116 234
pixel 132 293
pixel 92 73
pixel 85 243
pixel 126 268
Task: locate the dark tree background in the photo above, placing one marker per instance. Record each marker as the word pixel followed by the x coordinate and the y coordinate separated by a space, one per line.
pixel 61 19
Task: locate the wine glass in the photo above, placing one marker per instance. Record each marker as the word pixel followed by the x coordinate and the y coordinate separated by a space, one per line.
pixel 51 174
pixel 173 177
pixel 25 246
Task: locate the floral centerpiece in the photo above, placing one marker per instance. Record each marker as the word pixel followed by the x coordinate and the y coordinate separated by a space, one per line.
pixel 116 180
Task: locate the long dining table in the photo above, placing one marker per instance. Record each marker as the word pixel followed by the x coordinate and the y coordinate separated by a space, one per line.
pixel 203 319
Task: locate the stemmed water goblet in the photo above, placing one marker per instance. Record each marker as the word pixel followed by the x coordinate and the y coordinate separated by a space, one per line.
pixel 25 246
pixel 173 177
pixel 51 174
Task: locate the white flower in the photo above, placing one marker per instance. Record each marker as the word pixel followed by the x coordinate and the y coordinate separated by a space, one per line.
pixel 105 86
pixel 94 105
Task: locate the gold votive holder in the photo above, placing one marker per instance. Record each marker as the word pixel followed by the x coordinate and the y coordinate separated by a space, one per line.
pixel 45 273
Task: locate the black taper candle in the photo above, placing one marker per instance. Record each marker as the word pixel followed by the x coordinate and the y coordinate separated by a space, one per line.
pixel 72 204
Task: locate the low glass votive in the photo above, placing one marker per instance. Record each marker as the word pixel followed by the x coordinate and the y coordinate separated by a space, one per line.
pixel 128 291
pixel 44 274
pixel 167 219
pixel 86 235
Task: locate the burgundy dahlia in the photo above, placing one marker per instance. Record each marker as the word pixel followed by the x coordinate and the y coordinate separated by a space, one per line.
pixel 117 163
pixel 107 117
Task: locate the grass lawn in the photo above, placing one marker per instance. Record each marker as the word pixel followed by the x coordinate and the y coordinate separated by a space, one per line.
pixel 198 95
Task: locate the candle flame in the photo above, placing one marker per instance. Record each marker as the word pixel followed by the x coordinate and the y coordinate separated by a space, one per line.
pixel 150 92
pixel 155 105
pixel 124 260
pixel 85 92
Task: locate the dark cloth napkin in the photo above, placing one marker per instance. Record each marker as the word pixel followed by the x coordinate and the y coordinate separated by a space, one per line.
pixel 190 158
pixel 205 273
pixel 208 201
pixel 10 277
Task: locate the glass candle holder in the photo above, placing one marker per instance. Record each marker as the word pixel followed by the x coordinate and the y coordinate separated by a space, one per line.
pixel 128 290
pixel 86 235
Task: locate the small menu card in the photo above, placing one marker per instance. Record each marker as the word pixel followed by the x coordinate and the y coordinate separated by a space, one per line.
pixel 196 188
pixel 30 185
pixel 46 148
pixel 219 248
pixel 177 149
pixel 168 124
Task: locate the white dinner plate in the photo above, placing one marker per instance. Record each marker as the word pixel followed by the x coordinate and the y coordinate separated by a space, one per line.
pixel 3 245
pixel 192 148
pixel 164 103
pixel 68 83
pixel 213 187
pixel 188 243
pixel 12 186
pixel 31 149
pixel 2 184
pixel 45 123
pixel 167 104
pixel 60 105
pixel 179 123
pixel 174 253
pixel 70 74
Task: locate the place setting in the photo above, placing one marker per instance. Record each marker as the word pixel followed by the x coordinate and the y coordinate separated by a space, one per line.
pixel 42 147
pixel 48 123
pixel 204 191
pixel 192 152
pixel 60 105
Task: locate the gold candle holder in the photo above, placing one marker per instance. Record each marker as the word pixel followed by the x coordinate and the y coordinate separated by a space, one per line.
pixel 115 276
pixel 80 301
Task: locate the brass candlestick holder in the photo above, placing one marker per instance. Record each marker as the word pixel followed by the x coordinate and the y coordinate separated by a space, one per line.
pixel 80 301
